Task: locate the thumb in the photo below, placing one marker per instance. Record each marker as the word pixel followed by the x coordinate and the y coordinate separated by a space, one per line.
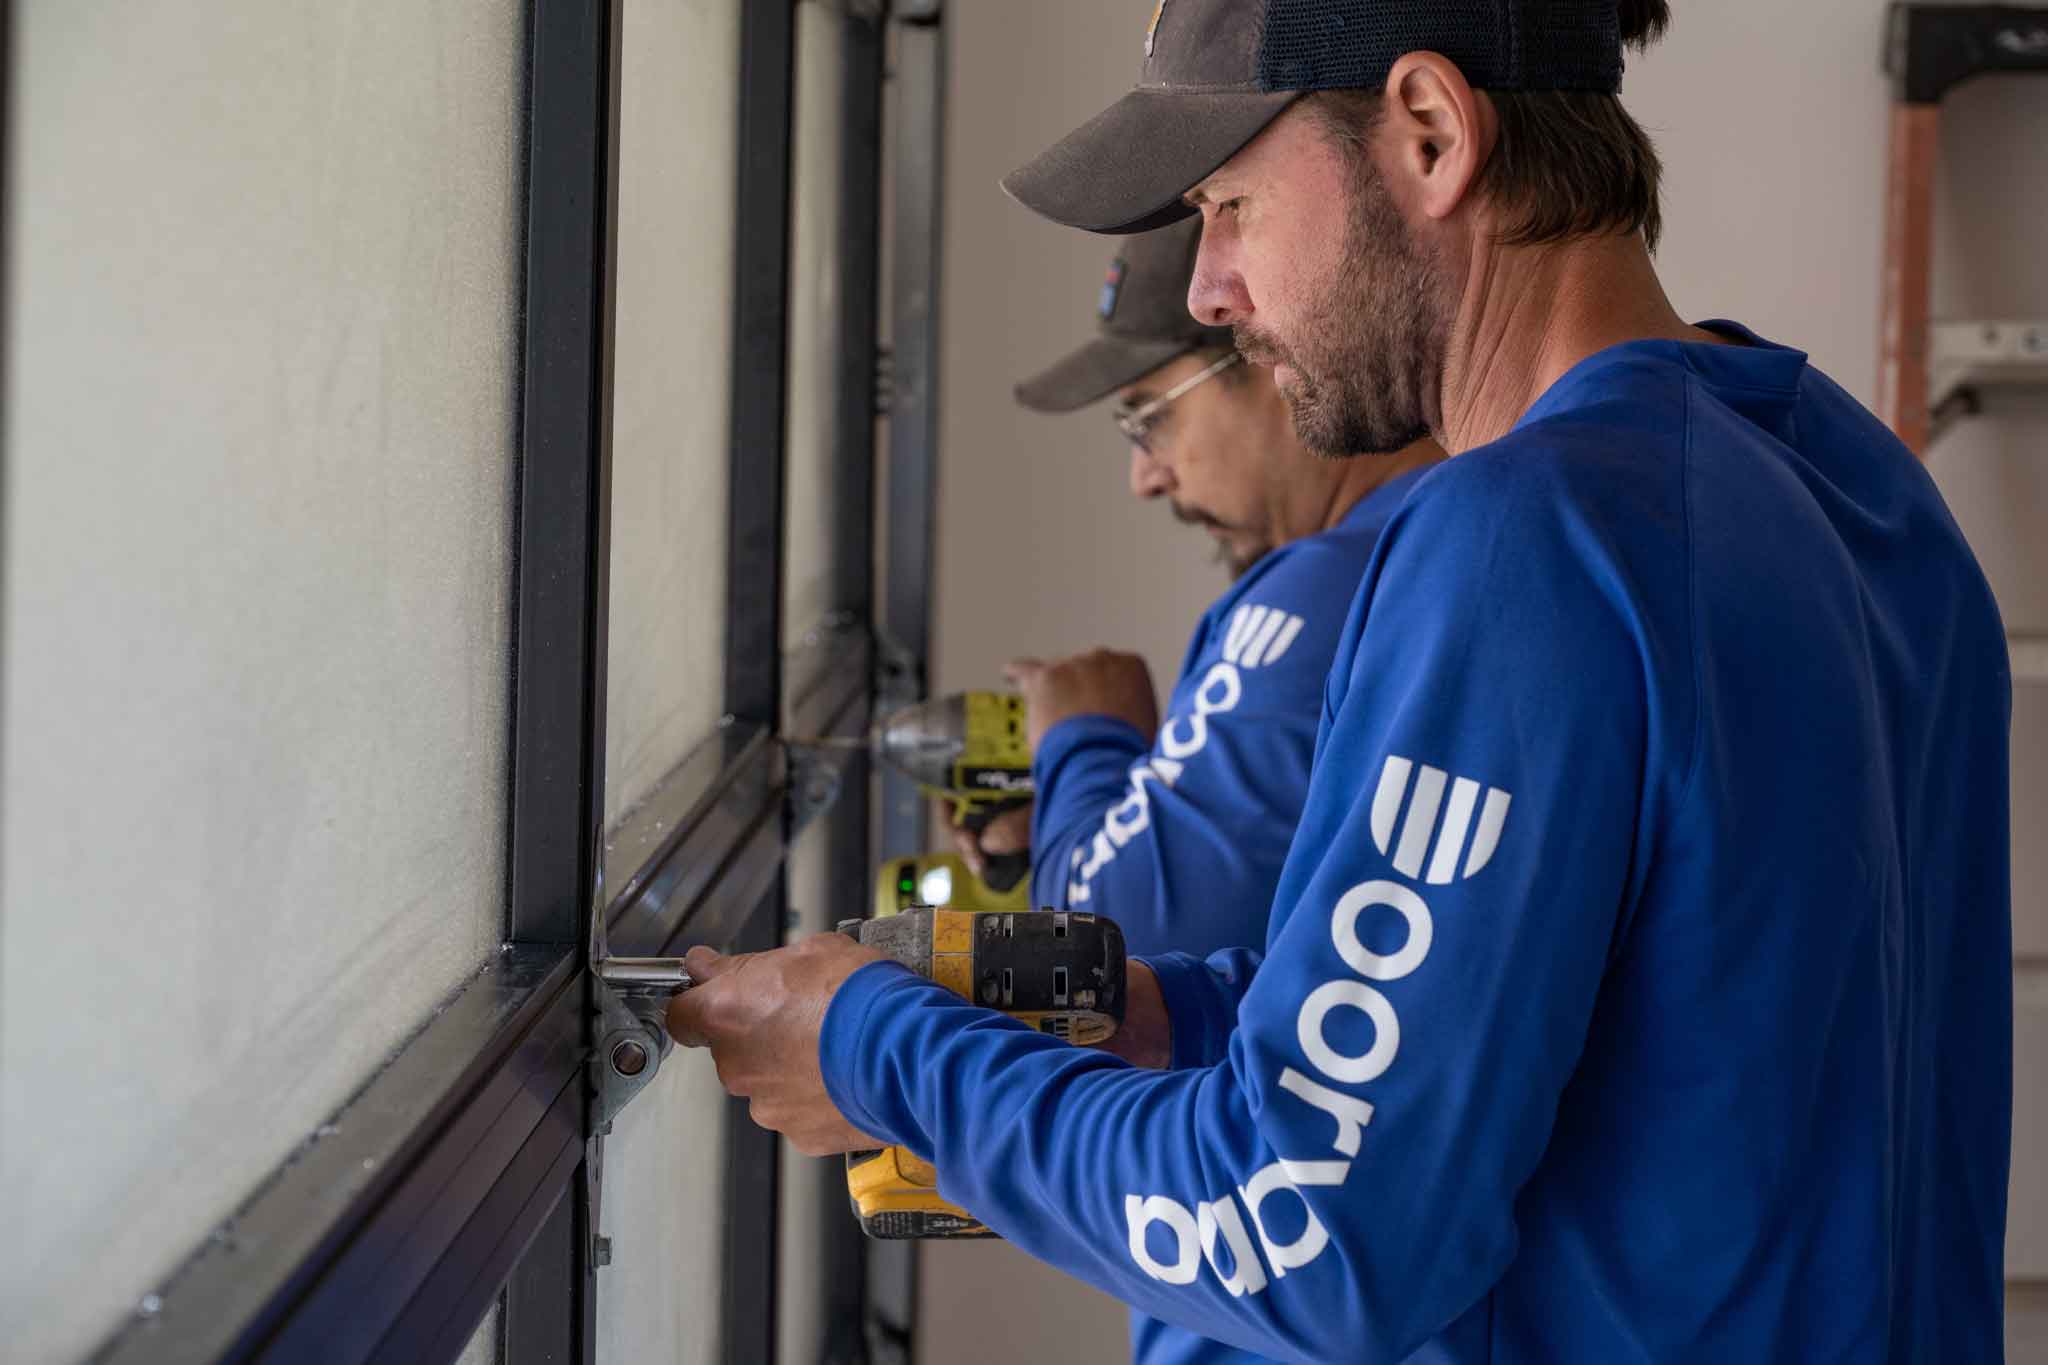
pixel 708 964
pixel 686 1021
pixel 682 1021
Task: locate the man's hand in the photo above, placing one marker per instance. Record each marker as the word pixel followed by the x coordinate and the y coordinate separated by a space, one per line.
pixel 1102 682
pixel 1145 1038
pixel 760 1014
pixel 1009 832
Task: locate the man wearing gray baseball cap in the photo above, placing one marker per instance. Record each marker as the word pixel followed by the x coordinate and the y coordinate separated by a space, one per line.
pixel 1189 866
pixel 1638 987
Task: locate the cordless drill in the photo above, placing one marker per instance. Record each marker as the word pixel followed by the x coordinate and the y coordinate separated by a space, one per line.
pixel 969 749
pixel 940 881
pixel 1060 972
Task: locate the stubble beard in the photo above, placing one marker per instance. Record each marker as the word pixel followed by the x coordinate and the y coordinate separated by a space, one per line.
pixel 1368 365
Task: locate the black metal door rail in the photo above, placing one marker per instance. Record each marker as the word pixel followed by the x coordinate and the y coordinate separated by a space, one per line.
pixel 463 1169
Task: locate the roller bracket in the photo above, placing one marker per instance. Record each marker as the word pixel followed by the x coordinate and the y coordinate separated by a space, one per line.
pixel 632 996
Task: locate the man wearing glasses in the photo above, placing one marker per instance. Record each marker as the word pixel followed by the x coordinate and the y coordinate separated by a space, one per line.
pixel 1134 815
pixel 1178 831
pixel 1639 985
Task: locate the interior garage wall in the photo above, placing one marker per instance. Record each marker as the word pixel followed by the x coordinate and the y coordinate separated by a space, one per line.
pixel 261 340
pixel 1774 195
pixel 663 1164
pixel 1996 478
pixel 1040 548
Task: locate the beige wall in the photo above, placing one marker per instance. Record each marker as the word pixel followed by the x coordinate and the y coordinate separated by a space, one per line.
pixel 1776 163
pixel 1040 548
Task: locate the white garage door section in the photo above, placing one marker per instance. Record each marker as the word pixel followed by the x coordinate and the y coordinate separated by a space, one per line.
pixel 262 342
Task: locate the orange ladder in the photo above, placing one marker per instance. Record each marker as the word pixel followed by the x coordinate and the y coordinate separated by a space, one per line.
pixel 1932 373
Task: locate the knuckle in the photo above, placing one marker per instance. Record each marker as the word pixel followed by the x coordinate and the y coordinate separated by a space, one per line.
pixel 723 1012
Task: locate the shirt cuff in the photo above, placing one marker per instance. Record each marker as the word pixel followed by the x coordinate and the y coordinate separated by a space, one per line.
pixel 842 1040
pixel 1202 1013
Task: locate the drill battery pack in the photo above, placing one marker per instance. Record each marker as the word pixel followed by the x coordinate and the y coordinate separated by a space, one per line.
pixel 895 1195
pixel 1059 972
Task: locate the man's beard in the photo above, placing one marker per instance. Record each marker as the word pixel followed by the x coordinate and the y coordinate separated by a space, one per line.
pixel 1368 366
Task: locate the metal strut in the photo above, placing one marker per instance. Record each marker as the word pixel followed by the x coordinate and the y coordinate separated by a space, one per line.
pixel 631 996
pixel 1930 374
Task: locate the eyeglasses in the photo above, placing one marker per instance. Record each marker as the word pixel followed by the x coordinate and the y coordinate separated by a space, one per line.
pixel 1136 423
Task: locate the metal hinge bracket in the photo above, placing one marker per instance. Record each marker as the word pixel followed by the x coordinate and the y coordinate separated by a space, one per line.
pixel 631 996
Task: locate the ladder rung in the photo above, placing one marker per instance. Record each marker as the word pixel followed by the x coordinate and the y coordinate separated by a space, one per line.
pixel 1970 357
pixel 1933 47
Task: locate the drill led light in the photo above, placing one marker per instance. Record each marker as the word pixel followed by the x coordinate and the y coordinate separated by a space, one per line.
pixel 937 887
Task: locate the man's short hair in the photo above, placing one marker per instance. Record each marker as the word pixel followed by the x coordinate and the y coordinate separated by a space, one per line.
pixel 1568 164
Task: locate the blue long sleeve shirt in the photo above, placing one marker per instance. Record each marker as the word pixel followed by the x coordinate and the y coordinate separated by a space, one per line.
pixel 1181 837
pixel 1638 985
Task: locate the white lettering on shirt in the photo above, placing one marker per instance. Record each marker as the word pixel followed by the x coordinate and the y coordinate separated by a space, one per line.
pixel 1217 1221
pixel 1255 638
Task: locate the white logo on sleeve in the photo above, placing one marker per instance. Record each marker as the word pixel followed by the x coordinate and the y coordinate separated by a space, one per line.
pixel 1451 828
pixel 1427 803
pixel 1222 1231
pixel 1258 636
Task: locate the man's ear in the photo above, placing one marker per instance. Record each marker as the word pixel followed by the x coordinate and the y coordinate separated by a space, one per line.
pixel 1437 131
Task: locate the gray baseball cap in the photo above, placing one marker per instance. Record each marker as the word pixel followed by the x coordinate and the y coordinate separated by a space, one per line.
pixel 1142 323
pixel 1217 72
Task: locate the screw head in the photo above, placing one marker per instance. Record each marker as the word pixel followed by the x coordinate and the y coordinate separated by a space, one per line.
pixel 629 1058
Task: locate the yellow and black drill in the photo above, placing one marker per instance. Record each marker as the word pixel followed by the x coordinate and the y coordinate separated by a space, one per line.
pixel 940 881
pixel 968 749
pixel 1060 972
